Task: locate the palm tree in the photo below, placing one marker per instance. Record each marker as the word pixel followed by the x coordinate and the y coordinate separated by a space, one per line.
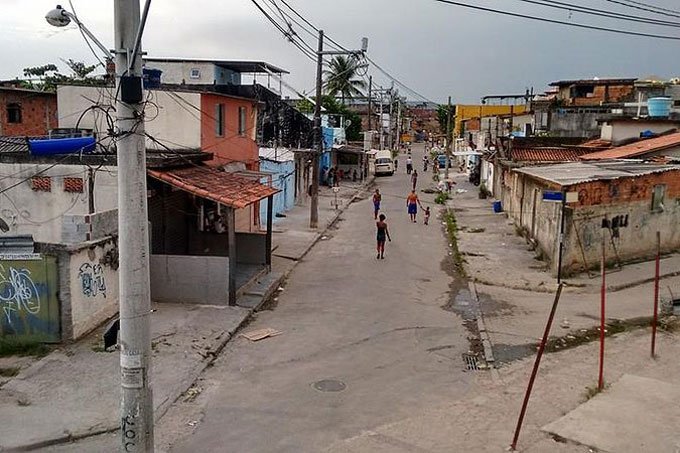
pixel 341 78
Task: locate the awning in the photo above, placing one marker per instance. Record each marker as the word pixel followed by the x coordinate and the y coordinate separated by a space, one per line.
pixel 221 187
pixel 466 153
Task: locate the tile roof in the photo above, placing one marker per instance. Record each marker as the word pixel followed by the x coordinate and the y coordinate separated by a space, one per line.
pixel 578 172
pixel 547 154
pixel 638 148
pixel 219 186
pixel 597 143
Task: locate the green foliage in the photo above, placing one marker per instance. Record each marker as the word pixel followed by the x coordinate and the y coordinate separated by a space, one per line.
pixel 332 107
pixel 10 346
pixel 47 77
pixel 441 197
pixel 341 78
pixel 452 230
pixel 442 116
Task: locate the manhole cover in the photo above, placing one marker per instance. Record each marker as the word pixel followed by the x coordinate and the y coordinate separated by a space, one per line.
pixel 329 385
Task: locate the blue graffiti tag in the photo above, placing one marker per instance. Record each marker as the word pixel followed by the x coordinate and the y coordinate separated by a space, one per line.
pixel 92 280
pixel 18 292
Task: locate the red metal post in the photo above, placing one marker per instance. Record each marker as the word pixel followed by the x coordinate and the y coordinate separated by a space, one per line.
pixel 539 354
pixel 655 316
pixel 603 296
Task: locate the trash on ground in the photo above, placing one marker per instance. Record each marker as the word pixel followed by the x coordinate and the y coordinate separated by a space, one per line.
pixel 261 334
pixel 461 191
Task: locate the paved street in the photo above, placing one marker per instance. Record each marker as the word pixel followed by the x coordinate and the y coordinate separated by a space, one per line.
pixel 376 326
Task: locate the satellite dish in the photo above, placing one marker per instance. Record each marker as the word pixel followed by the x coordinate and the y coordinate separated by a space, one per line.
pixel 3 226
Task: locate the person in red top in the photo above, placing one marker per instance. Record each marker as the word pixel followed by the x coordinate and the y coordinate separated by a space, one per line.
pixel 412 203
pixel 377 198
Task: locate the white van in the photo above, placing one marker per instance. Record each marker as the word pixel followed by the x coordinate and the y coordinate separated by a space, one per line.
pixel 384 165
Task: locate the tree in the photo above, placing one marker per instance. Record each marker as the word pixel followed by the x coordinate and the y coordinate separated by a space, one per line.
pixel 332 107
pixel 48 76
pixel 442 116
pixel 341 78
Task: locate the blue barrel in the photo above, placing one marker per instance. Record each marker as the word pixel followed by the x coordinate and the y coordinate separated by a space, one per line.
pixel 659 107
pixel 497 206
pixel 53 146
pixel 152 78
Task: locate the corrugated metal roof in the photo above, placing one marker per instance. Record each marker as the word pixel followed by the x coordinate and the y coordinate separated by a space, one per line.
pixel 547 154
pixel 596 81
pixel 221 187
pixel 579 172
pixel 637 149
pixel 247 66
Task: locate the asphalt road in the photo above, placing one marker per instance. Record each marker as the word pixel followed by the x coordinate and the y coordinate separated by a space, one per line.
pixel 373 329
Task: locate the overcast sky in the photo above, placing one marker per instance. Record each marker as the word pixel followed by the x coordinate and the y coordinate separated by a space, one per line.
pixel 438 50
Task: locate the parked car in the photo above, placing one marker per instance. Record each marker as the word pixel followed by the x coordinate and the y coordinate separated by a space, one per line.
pixel 384 165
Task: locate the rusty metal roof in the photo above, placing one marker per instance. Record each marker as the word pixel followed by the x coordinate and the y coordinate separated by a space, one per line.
pixel 547 154
pixel 578 172
pixel 639 148
pixel 221 187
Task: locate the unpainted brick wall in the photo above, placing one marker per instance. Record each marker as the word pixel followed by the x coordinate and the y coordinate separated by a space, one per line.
pixel 38 113
pixel 627 190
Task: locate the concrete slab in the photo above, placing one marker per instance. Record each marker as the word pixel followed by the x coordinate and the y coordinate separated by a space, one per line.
pixel 293 244
pixel 635 414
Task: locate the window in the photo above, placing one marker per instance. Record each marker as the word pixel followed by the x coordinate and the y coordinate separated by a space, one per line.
pixel 73 185
pixel 41 183
pixel 242 121
pixel 657 198
pixel 219 120
pixel 14 113
pixel 195 73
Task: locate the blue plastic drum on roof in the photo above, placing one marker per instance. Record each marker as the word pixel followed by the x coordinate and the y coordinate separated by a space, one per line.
pixel 52 146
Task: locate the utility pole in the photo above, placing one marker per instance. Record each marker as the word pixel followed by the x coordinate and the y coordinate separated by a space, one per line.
pixel 448 139
pixel 398 123
pixel 135 303
pixel 314 205
pixel 381 124
pixel 370 106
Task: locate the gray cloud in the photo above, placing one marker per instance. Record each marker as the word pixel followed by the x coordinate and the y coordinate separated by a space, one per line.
pixel 436 49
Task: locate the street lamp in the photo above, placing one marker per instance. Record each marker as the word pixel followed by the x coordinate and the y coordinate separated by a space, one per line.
pixel 59 17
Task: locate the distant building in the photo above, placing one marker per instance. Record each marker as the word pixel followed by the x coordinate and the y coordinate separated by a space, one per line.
pixel 27 112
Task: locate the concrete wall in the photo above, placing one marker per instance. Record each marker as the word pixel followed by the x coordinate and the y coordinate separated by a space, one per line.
pixel 180 72
pixel 251 248
pixel 189 279
pixel 40 212
pixel 564 123
pixel 175 122
pixel 620 132
pixel 282 179
pixel 81 228
pixel 87 284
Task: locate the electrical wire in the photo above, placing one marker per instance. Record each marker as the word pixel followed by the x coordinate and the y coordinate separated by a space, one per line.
pixel 600 13
pixel 646 7
pixel 558 22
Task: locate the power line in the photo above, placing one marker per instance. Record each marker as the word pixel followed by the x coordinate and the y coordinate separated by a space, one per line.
pixel 600 13
pixel 646 7
pixel 559 22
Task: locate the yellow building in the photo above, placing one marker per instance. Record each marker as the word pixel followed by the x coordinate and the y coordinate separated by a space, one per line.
pixel 466 112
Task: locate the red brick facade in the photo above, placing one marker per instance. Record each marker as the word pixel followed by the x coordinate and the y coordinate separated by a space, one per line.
pixel 627 190
pixel 27 112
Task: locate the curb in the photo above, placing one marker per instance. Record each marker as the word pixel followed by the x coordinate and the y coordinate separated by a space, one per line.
pixel 484 334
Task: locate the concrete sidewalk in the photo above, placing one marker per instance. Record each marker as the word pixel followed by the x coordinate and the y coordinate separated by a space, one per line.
pixel 73 393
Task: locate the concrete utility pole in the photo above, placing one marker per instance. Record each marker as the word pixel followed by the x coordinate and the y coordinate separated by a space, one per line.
pixel 314 205
pixel 135 303
pixel 381 124
pixel 370 105
pixel 448 138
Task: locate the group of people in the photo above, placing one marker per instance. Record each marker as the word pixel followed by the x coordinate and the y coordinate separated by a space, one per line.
pixel 332 176
pixel 412 204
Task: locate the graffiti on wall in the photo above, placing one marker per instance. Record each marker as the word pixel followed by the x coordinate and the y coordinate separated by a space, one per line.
pixel 92 280
pixel 18 292
pixel 29 306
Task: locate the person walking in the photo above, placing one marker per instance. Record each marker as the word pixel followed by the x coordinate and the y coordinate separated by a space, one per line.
pixel 382 234
pixel 377 198
pixel 414 179
pixel 412 203
pixel 409 164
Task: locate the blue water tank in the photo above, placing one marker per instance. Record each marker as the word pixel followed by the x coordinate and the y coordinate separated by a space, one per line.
pixel 497 207
pixel 152 78
pixel 659 107
pixel 48 147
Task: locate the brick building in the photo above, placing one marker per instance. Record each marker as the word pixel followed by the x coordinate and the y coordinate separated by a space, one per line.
pixel 27 112
pixel 626 202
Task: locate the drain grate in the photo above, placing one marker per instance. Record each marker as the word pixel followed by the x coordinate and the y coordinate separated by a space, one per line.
pixel 471 362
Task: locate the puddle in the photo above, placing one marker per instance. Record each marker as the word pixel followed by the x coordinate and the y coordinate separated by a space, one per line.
pixel 506 353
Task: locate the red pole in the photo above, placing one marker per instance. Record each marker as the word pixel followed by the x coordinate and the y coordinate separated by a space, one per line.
pixel 655 316
pixel 603 296
pixel 539 354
